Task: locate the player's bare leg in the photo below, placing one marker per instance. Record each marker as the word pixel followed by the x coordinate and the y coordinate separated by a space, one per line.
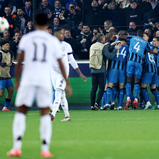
pixel 19 125
pixel 8 98
pixel 64 105
pixel 45 132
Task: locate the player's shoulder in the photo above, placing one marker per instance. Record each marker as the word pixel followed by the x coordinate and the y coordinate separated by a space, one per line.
pixel 66 44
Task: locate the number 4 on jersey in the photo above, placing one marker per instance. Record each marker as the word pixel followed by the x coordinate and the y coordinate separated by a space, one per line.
pixel 137 47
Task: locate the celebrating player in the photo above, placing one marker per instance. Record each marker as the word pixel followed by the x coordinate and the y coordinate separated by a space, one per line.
pixel 39 50
pixel 58 81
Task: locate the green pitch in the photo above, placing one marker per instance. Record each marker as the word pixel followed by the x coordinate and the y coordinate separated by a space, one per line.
pixel 89 135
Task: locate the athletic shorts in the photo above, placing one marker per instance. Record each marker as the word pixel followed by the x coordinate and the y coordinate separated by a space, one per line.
pixel 27 94
pixel 134 68
pixel 116 75
pixel 6 83
pixel 149 78
pixel 58 81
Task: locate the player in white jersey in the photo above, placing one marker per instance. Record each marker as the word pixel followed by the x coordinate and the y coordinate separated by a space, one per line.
pixel 58 81
pixel 39 50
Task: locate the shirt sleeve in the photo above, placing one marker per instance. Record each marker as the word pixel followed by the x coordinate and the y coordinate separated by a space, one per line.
pixel 69 49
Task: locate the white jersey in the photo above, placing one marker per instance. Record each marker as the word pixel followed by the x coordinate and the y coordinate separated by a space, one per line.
pixel 66 50
pixel 41 51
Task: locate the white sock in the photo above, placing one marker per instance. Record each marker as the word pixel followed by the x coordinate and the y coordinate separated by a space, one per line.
pixel 64 104
pixel 128 98
pixel 148 103
pixel 57 101
pixel 45 132
pixel 19 125
pixel 136 99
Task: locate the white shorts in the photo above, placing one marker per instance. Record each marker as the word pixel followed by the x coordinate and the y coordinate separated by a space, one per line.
pixel 58 81
pixel 27 94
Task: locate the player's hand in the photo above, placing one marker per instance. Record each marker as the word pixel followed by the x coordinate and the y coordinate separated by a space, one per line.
pixel 118 46
pixel 83 77
pixel 17 85
pixel 9 63
pixel 69 91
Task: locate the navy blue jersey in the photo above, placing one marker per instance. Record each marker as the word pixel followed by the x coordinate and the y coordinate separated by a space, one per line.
pixel 149 62
pixel 119 61
pixel 137 48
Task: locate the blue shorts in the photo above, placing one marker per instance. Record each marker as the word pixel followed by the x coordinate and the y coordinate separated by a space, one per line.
pixel 149 78
pixel 107 74
pixel 5 83
pixel 134 68
pixel 116 75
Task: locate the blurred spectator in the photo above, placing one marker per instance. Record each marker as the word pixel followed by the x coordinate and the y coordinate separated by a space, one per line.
pixel 67 2
pixel 115 14
pixel 132 28
pixel 20 19
pixel 149 33
pixel 101 3
pixel 77 30
pixel 123 3
pixel 72 42
pixel 3 3
pixel 107 25
pixel 52 2
pixel 95 32
pixel 57 9
pixel 92 15
pixel 157 34
pixel 6 36
pixel 49 29
pixel 153 3
pixel 74 15
pixel 109 38
pixel 28 8
pixel 84 41
pixel 134 14
pixel 45 6
pixel 29 26
pixel 56 23
pixel 16 3
pixel 14 44
pixel 146 5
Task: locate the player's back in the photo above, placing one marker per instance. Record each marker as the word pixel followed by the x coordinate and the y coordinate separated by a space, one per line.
pixel 41 50
pixel 119 61
pixel 137 46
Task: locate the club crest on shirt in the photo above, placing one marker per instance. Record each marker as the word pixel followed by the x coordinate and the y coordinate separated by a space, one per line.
pixel 63 48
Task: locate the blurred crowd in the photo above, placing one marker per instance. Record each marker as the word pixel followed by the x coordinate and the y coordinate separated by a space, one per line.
pixel 82 20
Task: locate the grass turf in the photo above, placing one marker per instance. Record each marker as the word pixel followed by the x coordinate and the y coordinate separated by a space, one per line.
pixel 89 135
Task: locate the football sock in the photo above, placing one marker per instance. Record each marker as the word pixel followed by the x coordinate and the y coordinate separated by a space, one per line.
pixel 137 90
pixel 128 89
pixel 103 99
pixel 121 97
pixel 7 102
pixel 117 94
pixel 108 94
pixel 113 94
pixel 156 94
pixel 45 132
pixel 141 97
pixel 57 102
pixel 64 104
pixel 131 96
pixel 53 95
pixel 145 94
pixel 19 125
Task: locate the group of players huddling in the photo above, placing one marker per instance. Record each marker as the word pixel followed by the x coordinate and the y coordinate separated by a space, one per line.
pixel 135 65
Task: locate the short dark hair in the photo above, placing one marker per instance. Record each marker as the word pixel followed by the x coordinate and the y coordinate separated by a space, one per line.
pixel 3 42
pixel 140 33
pixel 99 36
pixel 58 29
pixel 28 1
pixel 41 18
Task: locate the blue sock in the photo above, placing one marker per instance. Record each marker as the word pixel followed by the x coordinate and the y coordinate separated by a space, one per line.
pixel 117 95
pixel 131 96
pixel 128 89
pixel 141 98
pixel 121 97
pixel 156 94
pixel 145 94
pixel 103 99
pixel 7 102
pixel 113 95
pixel 53 97
pixel 137 90
pixel 109 90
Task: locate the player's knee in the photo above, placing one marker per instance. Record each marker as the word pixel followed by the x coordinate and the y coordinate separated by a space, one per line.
pixel 1 93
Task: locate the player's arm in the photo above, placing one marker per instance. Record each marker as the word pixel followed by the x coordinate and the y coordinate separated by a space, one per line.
pixel 75 66
pixel 4 64
pixel 124 37
pixel 152 51
pixel 18 69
